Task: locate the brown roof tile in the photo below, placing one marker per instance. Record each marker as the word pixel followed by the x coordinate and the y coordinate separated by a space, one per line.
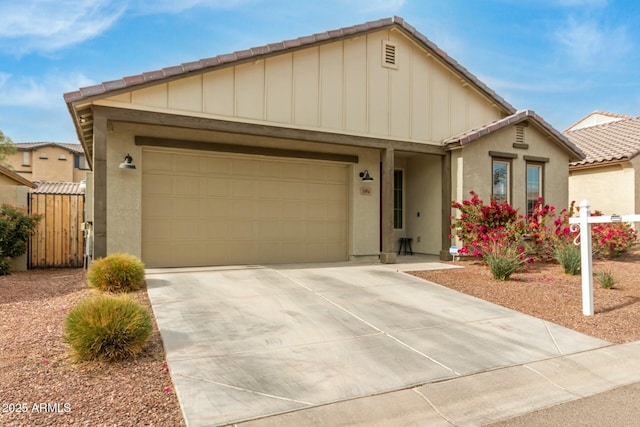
pixel 520 116
pixel 608 142
pixel 47 187
pixel 28 146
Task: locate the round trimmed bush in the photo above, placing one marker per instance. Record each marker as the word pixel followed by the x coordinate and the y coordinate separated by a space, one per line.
pixel 107 329
pixel 116 273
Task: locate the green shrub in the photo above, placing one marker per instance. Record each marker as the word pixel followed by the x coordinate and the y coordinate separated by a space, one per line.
pixel 606 279
pixel 568 255
pixel 504 260
pixel 16 226
pixel 107 328
pixel 116 273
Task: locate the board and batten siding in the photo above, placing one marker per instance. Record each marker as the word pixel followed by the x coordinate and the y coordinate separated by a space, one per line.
pixel 340 86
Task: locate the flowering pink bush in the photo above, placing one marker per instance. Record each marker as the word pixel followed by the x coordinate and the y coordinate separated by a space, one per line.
pixel 611 239
pixel 498 227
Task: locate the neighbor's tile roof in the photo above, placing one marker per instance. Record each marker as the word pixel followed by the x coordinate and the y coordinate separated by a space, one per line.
pixel 202 65
pixel 519 116
pixel 612 117
pixel 608 142
pixel 27 146
pixel 48 187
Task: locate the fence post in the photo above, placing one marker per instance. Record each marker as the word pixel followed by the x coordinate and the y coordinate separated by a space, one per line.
pixel 586 264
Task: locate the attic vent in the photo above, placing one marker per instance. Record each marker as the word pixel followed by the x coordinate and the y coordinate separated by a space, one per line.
pixel 389 54
pixel 520 135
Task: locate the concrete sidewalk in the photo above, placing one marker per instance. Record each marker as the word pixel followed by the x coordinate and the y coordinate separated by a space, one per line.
pixel 484 398
pixel 352 344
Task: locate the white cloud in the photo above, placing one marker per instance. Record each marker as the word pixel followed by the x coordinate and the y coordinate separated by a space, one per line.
pixel 589 42
pixel 36 92
pixel 48 25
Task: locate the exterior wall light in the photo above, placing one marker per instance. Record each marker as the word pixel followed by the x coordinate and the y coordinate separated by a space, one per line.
pixel 127 163
pixel 365 175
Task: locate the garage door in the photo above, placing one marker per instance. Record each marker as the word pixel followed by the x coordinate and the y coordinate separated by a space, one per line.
pixel 201 208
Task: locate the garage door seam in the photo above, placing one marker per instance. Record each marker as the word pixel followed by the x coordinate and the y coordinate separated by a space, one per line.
pixel 335 304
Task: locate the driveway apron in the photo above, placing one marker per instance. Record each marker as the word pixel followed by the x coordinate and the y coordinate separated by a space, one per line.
pixel 246 342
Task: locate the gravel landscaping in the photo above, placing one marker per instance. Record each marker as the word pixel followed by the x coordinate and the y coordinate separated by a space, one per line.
pixel 40 385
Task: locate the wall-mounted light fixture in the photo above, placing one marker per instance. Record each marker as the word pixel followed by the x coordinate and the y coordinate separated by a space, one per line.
pixel 127 163
pixel 365 175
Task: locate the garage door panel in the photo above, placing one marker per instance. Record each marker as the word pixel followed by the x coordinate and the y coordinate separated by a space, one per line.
pixel 294 231
pixel 269 209
pixel 269 189
pixel 215 229
pixel 185 230
pixel 157 206
pixel 217 187
pixel 186 186
pixel 186 163
pixel 185 207
pixel 242 167
pixel 158 184
pixel 214 165
pixel 294 191
pixel 159 228
pixel 158 162
pixel 242 189
pixel 294 210
pixel 215 209
pixel 243 208
pixel 336 211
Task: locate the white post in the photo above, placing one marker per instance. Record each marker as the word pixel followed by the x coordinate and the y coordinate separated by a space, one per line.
pixel 585 259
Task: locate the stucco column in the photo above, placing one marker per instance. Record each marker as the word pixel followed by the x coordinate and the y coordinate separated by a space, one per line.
pixel 388 254
pixel 99 187
pixel 445 162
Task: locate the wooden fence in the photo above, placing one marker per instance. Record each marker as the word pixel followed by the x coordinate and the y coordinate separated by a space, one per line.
pixel 59 240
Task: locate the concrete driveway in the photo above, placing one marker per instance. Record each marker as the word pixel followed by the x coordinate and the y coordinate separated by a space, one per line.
pixel 246 342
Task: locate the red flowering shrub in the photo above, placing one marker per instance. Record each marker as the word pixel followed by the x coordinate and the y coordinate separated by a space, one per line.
pixel 611 239
pixel 480 226
pixel 548 229
pixel 497 227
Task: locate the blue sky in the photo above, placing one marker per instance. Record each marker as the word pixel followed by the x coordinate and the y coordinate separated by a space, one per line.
pixel 562 58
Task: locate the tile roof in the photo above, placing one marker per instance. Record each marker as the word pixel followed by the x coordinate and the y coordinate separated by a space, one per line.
pixel 27 146
pixel 608 142
pixel 519 116
pixel 48 187
pixel 605 117
pixel 203 65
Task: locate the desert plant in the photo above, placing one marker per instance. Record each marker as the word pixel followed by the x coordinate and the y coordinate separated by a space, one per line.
pixel 16 226
pixel 116 273
pixel 568 256
pixel 107 328
pixel 504 259
pixel 606 279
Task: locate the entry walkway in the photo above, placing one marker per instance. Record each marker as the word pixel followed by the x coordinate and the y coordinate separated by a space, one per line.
pixel 311 344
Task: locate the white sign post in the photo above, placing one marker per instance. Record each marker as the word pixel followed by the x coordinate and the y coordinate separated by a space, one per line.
pixel 583 222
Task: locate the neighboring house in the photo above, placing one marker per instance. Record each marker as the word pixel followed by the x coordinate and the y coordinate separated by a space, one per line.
pixel 324 148
pixel 49 161
pixel 609 176
pixel 14 190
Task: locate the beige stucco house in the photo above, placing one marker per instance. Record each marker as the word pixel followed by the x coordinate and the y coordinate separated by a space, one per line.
pixel 324 148
pixel 49 161
pixel 609 176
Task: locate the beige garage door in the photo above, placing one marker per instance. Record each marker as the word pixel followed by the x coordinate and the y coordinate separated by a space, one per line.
pixel 201 208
